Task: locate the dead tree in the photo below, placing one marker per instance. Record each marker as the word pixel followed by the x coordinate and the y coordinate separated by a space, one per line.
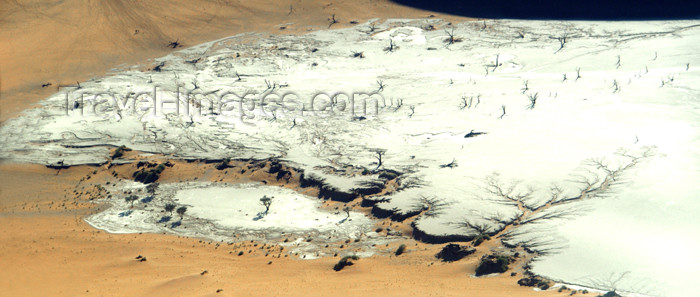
pixel 379 153
pixel 159 67
pixel 525 87
pixel 473 134
pixel 175 44
pixel 380 85
pixel 503 108
pixel 271 85
pixel 392 47
pixel 464 103
pixel 372 28
pixel 533 100
pixel 616 86
pixel 617 64
pixel 451 38
pixel 578 73
pixel 266 202
pixel 562 41
pixel 399 103
pixel 332 20
pixel 452 164
pixel 495 64
pixel 413 110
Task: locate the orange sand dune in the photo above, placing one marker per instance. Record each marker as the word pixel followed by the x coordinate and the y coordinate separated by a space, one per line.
pixel 62 42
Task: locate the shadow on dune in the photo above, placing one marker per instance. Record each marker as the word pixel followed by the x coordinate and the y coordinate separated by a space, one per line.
pixel 563 9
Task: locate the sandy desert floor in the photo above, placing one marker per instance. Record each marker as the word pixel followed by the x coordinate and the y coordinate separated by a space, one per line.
pixel 49 250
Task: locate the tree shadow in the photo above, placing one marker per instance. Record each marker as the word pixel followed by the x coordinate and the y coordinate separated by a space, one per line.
pixel 176 224
pixel 164 219
pixel 125 213
pixel 562 10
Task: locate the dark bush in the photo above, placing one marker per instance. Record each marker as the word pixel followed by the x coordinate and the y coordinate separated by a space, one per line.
pixel 148 176
pixel 282 174
pixel 224 164
pixel 274 167
pixel 479 239
pixel 454 252
pixel 535 281
pixel 400 250
pixel 345 261
pixel 120 152
pixel 389 174
pixel 493 264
